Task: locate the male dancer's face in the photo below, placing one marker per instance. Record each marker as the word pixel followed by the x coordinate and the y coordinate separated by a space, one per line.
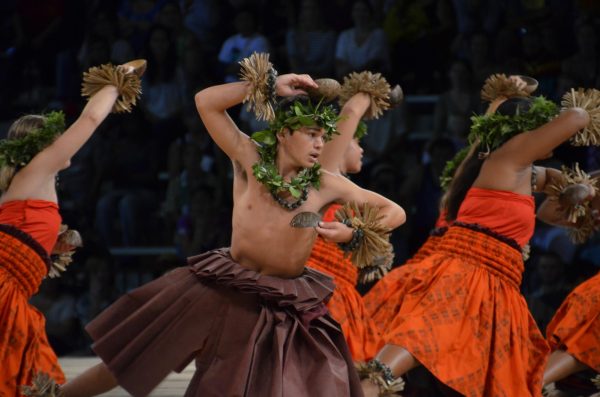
pixel 303 146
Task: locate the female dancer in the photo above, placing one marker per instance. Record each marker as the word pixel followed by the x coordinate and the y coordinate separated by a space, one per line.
pixel 466 321
pixel 35 150
pixel 342 156
pixel 574 332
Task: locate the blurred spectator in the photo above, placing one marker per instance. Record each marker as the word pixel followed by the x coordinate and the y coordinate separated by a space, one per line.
pixel 202 17
pixel 364 46
pixel 455 106
pixel 127 183
pixel 136 18
pixel 162 101
pixel 197 229
pixel 583 67
pixel 311 45
pixel 241 45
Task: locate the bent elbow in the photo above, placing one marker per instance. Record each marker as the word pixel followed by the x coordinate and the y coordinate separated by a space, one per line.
pixel 400 216
pixel 199 99
pixel 580 117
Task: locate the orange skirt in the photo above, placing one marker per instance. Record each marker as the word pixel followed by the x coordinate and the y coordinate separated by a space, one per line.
pixel 395 283
pixel 346 305
pixel 576 325
pixel 24 347
pixel 464 319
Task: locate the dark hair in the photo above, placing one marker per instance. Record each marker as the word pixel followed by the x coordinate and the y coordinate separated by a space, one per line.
pixel 469 169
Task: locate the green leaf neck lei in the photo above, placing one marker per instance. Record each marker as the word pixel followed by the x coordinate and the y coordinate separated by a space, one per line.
pixel 266 173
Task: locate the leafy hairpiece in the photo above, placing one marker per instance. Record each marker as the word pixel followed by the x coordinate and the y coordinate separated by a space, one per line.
pixel 492 130
pixel 17 152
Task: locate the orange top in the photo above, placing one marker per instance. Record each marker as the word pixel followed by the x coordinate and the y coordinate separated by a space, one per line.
pixel 507 213
pixel 38 218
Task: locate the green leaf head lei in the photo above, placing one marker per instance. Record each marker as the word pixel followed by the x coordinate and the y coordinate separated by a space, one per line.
pixel 18 151
pixel 491 131
pixel 293 114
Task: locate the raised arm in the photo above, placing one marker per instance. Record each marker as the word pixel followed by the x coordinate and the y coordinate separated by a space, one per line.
pixel 56 156
pixel 525 148
pixel 213 102
pixel 332 157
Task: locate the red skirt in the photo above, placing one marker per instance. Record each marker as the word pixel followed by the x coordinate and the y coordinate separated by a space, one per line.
pixel 24 347
pixel 464 319
pixel 250 334
pixel 576 325
pixel 346 305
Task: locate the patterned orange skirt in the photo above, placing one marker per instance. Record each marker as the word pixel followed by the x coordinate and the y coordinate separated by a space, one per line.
pixel 395 284
pixel 24 347
pixel 576 325
pixel 464 319
pixel 346 305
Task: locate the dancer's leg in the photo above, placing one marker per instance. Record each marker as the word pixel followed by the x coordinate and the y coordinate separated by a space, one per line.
pixel 560 365
pixel 398 359
pixel 95 380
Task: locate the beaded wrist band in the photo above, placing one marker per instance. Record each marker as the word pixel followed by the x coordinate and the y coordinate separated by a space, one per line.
pixel 357 238
pixel 381 375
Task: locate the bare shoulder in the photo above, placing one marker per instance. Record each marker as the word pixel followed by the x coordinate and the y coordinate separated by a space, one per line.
pixel 334 186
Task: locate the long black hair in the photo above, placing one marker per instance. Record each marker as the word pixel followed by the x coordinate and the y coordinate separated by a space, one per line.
pixel 469 169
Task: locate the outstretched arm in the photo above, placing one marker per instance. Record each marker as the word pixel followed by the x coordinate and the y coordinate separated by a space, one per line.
pixel 332 157
pixel 530 146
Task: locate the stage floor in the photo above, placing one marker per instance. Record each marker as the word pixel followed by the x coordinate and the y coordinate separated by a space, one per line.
pixel 173 386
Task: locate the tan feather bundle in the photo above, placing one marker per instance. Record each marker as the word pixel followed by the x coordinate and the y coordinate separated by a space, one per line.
pixel 256 69
pixel 588 100
pixel 62 253
pixel 128 85
pixel 376 240
pixel 501 86
pixel 42 386
pixel 373 84
pixel 566 191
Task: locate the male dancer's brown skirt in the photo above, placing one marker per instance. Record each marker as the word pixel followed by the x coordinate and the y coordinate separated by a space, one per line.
pixel 250 334
pixel 576 325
